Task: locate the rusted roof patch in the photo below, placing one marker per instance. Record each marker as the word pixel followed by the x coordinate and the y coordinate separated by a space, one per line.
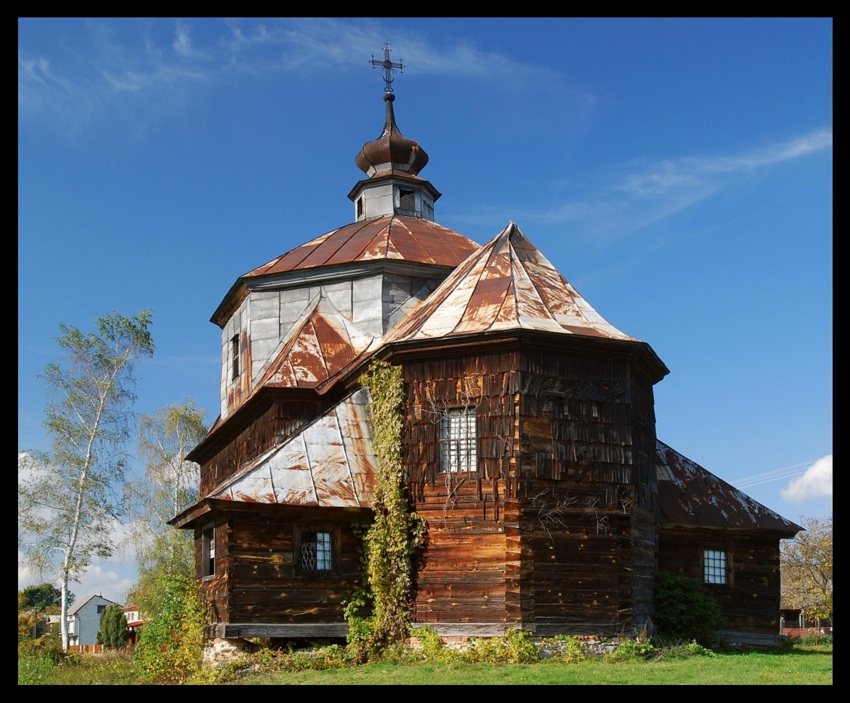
pixel 508 284
pixel 397 237
pixel 330 463
pixel 690 495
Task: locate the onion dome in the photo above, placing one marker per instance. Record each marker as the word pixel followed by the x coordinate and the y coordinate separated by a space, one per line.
pixel 391 151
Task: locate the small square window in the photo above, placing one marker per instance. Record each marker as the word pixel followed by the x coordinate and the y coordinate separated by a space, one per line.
pixel 406 199
pixel 714 566
pixel 100 609
pixel 458 440
pixel 316 551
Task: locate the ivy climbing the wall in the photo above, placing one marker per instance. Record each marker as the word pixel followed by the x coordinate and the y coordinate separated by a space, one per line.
pixel 396 532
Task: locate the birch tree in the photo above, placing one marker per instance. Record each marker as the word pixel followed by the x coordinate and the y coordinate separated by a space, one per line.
pixel 170 484
pixel 69 498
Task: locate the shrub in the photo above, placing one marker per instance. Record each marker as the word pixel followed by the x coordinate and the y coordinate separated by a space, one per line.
pixel 113 627
pixel 514 647
pixel 684 610
pixel 35 668
pixel 640 647
pixel 171 645
pixel 568 648
pixel 50 644
pixel 432 648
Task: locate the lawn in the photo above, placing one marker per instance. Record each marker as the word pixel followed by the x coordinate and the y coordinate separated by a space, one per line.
pixel 798 664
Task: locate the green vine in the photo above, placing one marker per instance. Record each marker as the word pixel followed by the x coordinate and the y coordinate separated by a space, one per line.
pixel 396 532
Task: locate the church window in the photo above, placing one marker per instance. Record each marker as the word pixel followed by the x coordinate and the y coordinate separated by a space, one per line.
pixel 714 566
pixel 458 440
pixel 316 551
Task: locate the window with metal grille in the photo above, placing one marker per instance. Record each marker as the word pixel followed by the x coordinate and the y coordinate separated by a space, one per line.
pixel 316 551
pixel 458 441
pixel 714 566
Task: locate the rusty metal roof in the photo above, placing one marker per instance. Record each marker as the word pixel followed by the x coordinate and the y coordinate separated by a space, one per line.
pixel 329 463
pixel 691 496
pixel 396 237
pixel 507 284
pixel 320 345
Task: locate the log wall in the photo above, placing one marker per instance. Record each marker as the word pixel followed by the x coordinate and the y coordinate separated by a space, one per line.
pixel 258 579
pixel 750 600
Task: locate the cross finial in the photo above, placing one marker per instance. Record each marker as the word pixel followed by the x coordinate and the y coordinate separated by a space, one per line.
pixel 388 67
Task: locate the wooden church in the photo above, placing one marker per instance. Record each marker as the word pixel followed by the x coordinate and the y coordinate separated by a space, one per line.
pixel 529 439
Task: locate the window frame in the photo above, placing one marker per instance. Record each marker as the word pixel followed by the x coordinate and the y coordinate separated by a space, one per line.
pixel 712 560
pixel 208 549
pixel 234 357
pixel 331 534
pixel 459 427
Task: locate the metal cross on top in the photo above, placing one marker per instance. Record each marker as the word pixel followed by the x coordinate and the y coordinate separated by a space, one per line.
pixel 388 68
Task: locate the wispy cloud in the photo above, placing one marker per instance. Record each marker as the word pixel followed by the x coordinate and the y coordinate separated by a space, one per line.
pixel 699 174
pixel 630 197
pixel 816 482
pixel 135 59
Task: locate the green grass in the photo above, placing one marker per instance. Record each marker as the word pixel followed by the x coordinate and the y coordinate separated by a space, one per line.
pixel 810 665
pixel 800 664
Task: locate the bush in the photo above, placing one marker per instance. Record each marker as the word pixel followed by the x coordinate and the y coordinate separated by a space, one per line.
pixel 113 627
pixel 35 668
pixel 569 648
pixel 431 646
pixel 638 648
pixel 514 647
pixel 684 610
pixel 170 648
pixel 50 644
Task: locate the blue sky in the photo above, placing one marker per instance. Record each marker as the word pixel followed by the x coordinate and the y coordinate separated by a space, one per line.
pixel 678 172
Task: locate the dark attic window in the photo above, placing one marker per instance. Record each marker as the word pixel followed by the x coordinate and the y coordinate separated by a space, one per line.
pixel 234 356
pixel 406 199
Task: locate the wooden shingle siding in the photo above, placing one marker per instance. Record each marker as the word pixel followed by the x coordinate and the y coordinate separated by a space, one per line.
pixel 570 459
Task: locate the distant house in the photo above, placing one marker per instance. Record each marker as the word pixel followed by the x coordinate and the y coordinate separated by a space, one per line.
pixel 795 622
pixel 84 619
pixel 134 623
